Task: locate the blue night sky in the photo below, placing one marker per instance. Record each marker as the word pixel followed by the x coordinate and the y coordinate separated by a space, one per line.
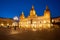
pixel 11 8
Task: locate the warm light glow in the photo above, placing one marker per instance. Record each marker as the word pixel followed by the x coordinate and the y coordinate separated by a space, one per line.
pixel 33 29
pixel 51 24
pixel 40 25
pixel 44 21
pixel 7 24
pixel 34 22
pixel 15 24
pixel 52 20
pixel 27 26
pixel 33 25
pixel 14 32
pixel 48 25
pixel 2 24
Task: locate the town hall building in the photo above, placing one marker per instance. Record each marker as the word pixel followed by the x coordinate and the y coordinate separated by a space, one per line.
pixel 34 21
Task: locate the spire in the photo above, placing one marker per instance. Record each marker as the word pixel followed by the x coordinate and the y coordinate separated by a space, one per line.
pixel 47 12
pixel 32 7
pixel 47 8
pixel 22 15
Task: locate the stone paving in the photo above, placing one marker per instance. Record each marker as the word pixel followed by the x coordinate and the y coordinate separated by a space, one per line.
pixel 18 34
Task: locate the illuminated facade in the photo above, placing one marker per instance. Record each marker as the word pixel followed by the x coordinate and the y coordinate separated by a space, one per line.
pixel 55 20
pixel 4 22
pixel 34 21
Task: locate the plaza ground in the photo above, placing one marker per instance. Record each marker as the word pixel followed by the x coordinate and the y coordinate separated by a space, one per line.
pixel 11 34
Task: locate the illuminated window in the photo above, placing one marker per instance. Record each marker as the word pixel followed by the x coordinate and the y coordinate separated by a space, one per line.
pixel 44 21
pixel 34 22
pixel 2 24
pixel 7 24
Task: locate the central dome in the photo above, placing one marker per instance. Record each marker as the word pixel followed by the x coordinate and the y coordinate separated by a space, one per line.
pixel 32 12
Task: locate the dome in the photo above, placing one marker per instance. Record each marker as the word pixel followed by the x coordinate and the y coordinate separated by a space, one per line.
pixel 32 12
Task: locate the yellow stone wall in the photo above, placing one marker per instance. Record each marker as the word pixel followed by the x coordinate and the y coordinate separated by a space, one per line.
pixel 5 21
